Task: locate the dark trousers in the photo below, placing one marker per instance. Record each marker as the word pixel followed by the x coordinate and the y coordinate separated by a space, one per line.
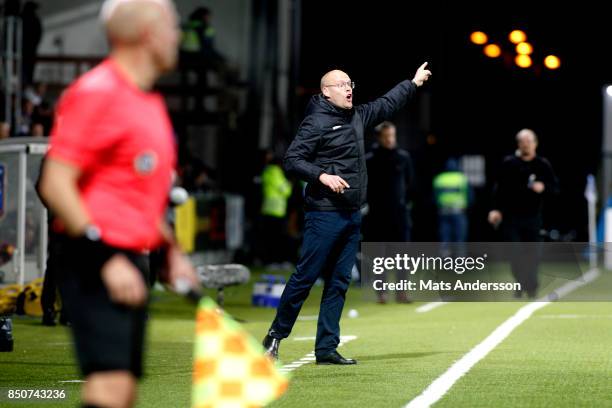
pixel 525 257
pixel 453 227
pixel 331 241
pixel 274 240
pixel 388 224
pixel 453 232
pixel 50 289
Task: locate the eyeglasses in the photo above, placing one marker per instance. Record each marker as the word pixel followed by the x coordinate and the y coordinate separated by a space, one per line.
pixel 350 84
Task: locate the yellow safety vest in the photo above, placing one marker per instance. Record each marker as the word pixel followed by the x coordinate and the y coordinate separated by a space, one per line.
pixel 276 191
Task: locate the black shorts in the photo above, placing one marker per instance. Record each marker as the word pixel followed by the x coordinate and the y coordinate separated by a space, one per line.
pixel 107 336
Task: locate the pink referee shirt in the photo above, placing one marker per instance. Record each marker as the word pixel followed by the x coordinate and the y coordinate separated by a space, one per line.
pixel 121 139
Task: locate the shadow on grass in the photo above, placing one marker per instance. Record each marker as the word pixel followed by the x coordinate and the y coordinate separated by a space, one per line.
pixel 397 356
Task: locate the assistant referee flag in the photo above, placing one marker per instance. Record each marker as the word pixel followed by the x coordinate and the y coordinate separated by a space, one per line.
pixel 230 368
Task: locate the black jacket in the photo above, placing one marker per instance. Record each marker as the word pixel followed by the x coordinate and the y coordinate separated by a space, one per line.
pixel 391 180
pixel 512 195
pixel 330 140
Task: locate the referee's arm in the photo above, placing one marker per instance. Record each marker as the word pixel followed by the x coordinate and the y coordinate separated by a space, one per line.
pixel 58 188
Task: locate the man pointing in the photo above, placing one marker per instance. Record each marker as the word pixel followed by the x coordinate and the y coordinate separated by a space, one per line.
pixel 328 153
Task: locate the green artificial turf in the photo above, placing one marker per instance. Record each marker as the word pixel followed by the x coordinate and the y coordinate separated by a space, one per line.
pixel 558 357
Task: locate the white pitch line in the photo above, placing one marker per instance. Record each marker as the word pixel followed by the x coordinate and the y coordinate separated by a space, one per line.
pixel 346 339
pixel 310 357
pixel 442 384
pixel 429 306
pixel 73 381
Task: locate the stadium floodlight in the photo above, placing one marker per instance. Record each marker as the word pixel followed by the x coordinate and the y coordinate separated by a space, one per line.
pixel 523 61
pixel 552 62
pixel 609 90
pixel 492 51
pixel 524 48
pixel 517 36
pixel 479 38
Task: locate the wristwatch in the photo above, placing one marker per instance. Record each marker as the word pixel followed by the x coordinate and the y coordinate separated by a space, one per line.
pixel 92 233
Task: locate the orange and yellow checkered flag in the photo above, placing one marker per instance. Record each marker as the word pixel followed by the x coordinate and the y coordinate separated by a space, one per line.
pixel 230 368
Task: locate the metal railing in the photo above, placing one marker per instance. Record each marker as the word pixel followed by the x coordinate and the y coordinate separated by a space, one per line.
pixel 23 218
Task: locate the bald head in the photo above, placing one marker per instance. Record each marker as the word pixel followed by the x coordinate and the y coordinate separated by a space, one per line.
pixel 333 77
pixel 526 133
pixel 144 29
pixel 127 21
pixel 527 142
pixel 337 89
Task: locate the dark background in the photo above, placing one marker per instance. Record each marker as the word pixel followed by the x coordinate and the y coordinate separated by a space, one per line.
pixel 474 104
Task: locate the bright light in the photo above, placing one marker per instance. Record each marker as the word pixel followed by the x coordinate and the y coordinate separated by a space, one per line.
pixel 479 38
pixel 552 62
pixel 492 51
pixel 524 48
pixel 517 36
pixel 609 90
pixel 523 61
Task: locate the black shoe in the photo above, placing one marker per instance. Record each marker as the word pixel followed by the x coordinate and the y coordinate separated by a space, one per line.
pixel 271 345
pixel 403 298
pixel 335 358
pixel 48 319
pixel 382 299
pixel 63 320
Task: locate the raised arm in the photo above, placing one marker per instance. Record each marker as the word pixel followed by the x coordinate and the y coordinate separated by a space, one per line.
pixel 387 105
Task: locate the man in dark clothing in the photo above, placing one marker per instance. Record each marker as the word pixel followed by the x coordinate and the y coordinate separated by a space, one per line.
pixel 523 181
pixel 50 285
pixel 198 54
pixel 199 36
pixel 391 177
pixel 32 34
pixel 328 153
pixel 390 184
pixel 54 249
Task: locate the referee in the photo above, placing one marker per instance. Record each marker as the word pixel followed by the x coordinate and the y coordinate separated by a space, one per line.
pixel 107 178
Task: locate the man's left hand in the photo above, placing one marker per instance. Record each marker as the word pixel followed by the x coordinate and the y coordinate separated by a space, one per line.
pixel 422 75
